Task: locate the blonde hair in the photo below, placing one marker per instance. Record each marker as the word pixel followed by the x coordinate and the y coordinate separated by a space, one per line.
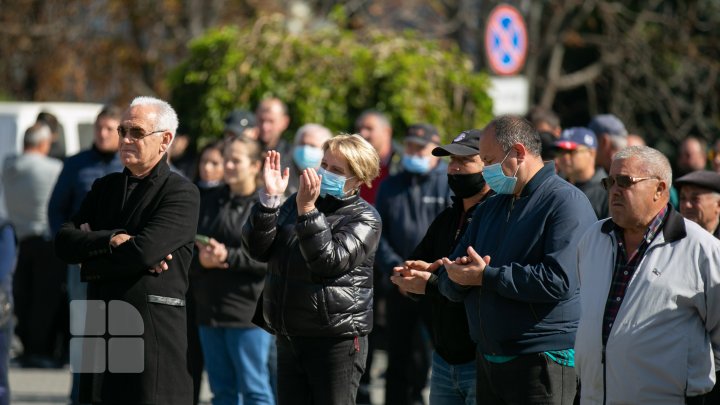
pixel 362 158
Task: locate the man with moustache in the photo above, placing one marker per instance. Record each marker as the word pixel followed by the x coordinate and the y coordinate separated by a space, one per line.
pixel 134 237
pixel 453 364
pixel 648 292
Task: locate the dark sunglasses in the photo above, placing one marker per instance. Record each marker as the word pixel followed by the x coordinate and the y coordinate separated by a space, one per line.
pixel 135 133
pixel 622 181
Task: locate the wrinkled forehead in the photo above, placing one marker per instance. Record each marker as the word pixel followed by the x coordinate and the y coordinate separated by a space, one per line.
pixel 140 115
pixel 631 166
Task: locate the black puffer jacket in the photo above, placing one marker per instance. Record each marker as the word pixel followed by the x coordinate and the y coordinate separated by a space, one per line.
pixel 319 280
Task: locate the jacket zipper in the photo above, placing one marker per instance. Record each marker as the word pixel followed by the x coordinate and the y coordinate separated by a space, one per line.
pixel 512 205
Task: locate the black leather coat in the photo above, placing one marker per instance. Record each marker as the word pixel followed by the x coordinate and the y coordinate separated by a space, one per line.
pixel 320 279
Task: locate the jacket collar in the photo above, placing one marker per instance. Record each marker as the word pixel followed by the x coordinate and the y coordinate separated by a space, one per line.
pixel 160 169
pixel 673 229
pixel 547 171
pixel 330 204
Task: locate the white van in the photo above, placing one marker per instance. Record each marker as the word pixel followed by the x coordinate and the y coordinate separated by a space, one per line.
pixel 76 124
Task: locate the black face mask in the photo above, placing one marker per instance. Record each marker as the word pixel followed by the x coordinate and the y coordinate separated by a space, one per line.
pixel 466 185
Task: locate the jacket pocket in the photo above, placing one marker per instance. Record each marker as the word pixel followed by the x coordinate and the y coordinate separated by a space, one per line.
pixel 159 299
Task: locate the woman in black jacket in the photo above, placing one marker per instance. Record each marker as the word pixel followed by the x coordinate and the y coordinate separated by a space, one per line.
pixel 319 246
pixel 227 283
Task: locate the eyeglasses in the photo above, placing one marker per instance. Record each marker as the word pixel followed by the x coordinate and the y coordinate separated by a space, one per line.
pixel 622 181
pixel 135 133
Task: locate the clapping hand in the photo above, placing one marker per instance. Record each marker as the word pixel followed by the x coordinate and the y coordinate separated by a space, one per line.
pixel 467 270
pixel 308 192
pixel 275 178
pixel 413 275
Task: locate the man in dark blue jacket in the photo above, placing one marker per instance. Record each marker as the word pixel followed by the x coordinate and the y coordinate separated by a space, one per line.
pixel 408 202
pixel 519 250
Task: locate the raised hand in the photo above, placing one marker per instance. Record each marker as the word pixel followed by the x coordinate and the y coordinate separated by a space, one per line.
pixel 308 192
pixel 275 178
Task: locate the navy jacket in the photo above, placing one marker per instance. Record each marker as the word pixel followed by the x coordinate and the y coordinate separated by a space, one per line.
pixel 529 300
pixel 408 203
pixel 76 178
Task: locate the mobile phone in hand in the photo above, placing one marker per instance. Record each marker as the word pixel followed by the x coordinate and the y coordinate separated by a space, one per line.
pixel 202 239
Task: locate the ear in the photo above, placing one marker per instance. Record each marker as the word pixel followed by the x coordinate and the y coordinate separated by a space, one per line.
pixel 520 151
pixel 166 139
pixel 661 190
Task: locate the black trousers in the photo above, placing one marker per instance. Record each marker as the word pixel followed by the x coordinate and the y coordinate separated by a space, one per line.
pixel 320 370
pixel 409 354
pixel 531 379
pixel 40 299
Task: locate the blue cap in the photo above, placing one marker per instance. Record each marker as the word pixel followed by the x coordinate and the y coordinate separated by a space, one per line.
pixel 607 124
pixel 571 138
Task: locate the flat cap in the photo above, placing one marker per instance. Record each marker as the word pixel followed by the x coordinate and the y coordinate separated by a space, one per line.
pixel 701 178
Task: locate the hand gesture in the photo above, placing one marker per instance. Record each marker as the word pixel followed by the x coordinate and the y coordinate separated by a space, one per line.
pixel 309 191
pixel 467 270
pixel 119 239
pixel 162 266
pixel 421 265
pixel 212 255
pixel 275 178
pixel 410 280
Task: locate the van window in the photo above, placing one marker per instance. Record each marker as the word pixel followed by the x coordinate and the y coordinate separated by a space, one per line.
pixel 8 131
pixel 86 132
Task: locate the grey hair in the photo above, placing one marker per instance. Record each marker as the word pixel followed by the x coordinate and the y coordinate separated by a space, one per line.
pixel 654 162
pixel 511 130
pixel 384 120
pixel 36 134
pixel 166 120
pixel 312 127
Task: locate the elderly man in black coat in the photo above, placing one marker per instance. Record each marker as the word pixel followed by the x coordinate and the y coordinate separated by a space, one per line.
pixel 133 236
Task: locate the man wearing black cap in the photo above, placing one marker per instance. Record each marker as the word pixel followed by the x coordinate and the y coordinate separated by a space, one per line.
pixel 700 199
pixel 453 363
pixel 700 203
pixel 408 202
pixel 241 123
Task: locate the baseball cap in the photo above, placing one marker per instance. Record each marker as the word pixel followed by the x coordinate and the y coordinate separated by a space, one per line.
pixel 572 138
pixel 701 178
pixel 607 124
pixel 465 144
pixel 239 120
pixel 422 134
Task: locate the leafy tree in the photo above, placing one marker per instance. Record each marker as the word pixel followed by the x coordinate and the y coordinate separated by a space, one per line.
pixel 328 75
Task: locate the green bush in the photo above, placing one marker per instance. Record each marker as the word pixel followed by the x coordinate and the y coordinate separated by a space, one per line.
pixel 328 76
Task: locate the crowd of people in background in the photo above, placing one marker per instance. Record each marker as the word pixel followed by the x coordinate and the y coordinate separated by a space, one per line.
pixel 519 263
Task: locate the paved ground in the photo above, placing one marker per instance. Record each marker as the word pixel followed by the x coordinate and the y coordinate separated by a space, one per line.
pixel 51 387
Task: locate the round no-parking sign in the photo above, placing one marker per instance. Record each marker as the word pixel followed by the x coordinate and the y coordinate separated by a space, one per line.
pixel 505 40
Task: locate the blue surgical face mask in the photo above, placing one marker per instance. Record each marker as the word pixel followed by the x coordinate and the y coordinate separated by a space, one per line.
pixel 416 164
pixel 306 156
pixel 497 180
pixel 332 184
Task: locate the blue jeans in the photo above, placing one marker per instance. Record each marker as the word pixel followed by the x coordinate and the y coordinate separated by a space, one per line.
pixel 236 364
pixel 452 384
